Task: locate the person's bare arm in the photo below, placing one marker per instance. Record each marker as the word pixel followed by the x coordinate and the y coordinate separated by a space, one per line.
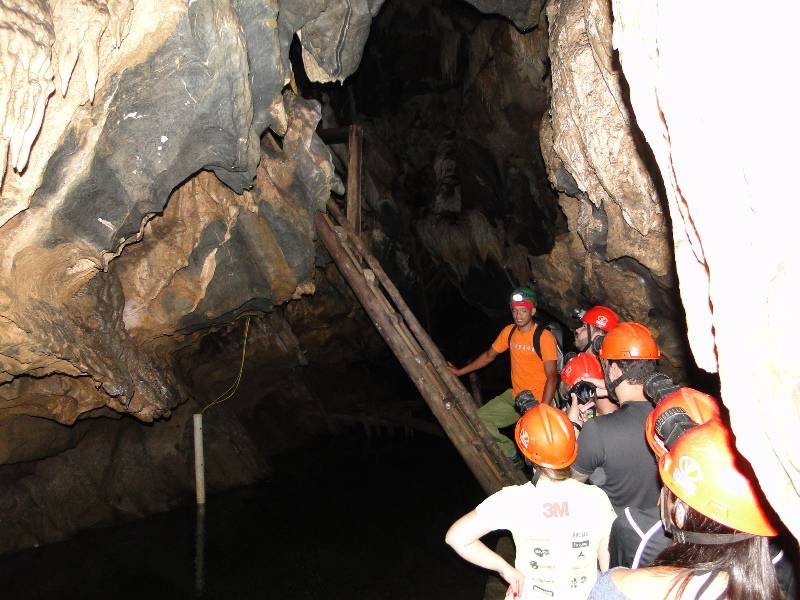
pixel 464 536
pixel 603 555
pixel 551 372
pixel 480 362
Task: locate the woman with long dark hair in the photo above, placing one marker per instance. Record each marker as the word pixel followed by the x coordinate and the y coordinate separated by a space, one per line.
pixel 708 504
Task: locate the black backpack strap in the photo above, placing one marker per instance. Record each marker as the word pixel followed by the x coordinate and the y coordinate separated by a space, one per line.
pixel 510 333
pixel 537 340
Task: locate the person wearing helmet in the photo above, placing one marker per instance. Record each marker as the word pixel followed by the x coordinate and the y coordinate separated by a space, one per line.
pixel 637 535
pixel 583 393
pixel 560 527
pixel 719 527
pixel 595 324
pixel 614 442
pixel 533 353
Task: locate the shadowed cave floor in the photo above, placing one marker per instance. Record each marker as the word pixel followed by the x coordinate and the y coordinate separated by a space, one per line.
pixel 353 519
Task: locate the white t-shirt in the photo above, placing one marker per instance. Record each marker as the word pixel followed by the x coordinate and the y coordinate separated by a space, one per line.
pixel 558 527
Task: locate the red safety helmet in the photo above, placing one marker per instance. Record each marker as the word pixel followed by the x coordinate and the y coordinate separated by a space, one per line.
pixel 581 365
pixel 601 317
pixel 629 341
pixel 701 469
pixel 546 437
pixel 698 406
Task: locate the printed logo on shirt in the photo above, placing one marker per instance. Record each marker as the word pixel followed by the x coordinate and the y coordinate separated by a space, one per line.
pixel 687 474
pixel 555 509
pixel 541 589
pixel 522 347
pixel 573 582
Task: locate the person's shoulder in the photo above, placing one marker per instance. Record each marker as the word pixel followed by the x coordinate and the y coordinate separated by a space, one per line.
pixel 510 496
pixel 649 582
pixel 591 493
pixel 638 408
pixel 606 585
pixel 513 491
pixel 619 419
pixel 500 343
pixel 546 333
pixel 593 426
pixel 598 496
pixel 507 329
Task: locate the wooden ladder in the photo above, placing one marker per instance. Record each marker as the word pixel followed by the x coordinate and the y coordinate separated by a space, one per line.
pixel 448 399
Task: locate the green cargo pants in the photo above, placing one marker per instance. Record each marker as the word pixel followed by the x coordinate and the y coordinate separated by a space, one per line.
pixel 500 412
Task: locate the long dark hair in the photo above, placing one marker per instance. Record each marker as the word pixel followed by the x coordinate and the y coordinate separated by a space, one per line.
pixel 747 563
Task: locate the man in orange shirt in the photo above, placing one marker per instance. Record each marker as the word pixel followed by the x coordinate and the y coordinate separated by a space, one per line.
pixel 533 367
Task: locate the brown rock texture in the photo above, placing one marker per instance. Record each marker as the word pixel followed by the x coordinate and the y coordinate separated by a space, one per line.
pixel 96 268
pixel 617 251
pixel 142 209
pixel 733 229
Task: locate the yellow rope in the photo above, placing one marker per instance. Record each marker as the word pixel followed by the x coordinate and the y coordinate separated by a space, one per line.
pixel 228 394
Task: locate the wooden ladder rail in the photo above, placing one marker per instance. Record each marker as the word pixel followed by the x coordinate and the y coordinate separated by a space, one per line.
pixel 448 399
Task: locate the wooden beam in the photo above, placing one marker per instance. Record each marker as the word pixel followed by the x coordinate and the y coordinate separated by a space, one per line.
pixel 354 179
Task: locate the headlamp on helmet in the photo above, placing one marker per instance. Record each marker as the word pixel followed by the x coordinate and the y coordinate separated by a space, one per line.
pixel 523 297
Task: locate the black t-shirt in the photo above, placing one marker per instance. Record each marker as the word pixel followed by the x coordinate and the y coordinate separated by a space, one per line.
pixel 616 443
pixel 637 536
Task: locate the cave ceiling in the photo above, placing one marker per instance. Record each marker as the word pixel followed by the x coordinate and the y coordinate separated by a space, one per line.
pixel 160 170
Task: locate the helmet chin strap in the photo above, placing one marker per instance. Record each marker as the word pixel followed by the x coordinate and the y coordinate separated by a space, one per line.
pixel 695 537
pixel 537 473
pixel 588 343
pixel 611 386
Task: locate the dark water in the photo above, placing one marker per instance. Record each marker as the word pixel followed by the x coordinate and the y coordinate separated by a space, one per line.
pixel 350 520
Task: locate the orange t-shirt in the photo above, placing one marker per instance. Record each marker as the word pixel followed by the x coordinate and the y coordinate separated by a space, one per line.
pixel 527 369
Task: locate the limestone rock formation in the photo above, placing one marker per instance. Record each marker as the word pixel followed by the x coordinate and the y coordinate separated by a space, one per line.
pixel 733 235
pixel 332 33
pixel 89 265
pixel 118 246
pixel 592 150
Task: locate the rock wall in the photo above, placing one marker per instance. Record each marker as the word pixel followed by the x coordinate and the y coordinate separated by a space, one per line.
pixel 98 256
pixel 158 180
pixel 718 145
pixel 684 146
pixel 617 251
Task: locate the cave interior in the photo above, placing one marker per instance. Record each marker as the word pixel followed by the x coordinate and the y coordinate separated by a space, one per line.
pixel 159 258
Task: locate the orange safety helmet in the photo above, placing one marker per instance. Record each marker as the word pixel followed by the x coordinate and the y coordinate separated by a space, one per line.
pixel 629 341
pixel 701 469
pixel 581 365
pixel 698 406
pixel 546 437
pixel 601 317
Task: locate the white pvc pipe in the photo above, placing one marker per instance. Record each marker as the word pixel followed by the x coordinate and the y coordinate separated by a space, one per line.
pixel 199 461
